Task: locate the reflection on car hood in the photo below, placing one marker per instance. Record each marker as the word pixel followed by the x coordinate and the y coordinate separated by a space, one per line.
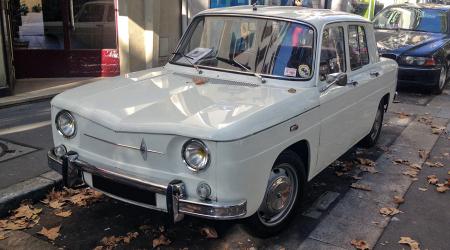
pixel 400 41
pixel 160 101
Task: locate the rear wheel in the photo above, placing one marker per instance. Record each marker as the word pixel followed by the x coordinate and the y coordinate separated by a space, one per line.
pixel 371 139
pixel 284 190
pixel 440 84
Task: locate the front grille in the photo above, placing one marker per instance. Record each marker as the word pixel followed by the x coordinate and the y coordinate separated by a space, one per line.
pixel 124 191
pixel 390 56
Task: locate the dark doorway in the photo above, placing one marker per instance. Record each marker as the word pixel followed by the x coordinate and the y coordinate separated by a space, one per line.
pixel 64 38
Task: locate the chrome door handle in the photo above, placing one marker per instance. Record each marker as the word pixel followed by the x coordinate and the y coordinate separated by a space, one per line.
pixel 374 73
pixel 353 83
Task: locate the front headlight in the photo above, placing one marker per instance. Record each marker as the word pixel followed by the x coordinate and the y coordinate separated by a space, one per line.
pixel 419 61
pixel 196 155
pixel 66 124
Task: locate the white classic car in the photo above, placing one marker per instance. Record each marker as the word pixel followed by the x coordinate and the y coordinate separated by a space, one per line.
pixel 253 104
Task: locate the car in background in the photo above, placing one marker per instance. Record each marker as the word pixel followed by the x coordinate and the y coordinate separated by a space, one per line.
pixel 417 37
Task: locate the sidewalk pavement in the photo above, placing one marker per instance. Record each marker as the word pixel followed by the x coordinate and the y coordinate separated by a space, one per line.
pixel 29 90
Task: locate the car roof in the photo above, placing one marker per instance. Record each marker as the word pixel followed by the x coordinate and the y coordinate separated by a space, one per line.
pixel 423 6
pixel 316 17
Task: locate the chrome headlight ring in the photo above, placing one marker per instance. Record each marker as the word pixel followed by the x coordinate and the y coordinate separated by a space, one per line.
pixel 195 155
pixel 66 124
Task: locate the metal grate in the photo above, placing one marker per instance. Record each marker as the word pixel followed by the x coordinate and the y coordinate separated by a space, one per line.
pixel 233 83
pixel 124 191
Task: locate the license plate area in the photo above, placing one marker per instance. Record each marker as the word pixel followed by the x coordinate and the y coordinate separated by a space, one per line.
pixel 123 190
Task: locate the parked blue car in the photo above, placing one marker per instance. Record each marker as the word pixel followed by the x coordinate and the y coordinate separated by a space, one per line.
pixel 417 36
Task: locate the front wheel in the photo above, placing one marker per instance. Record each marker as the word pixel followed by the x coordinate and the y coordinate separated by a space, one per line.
pixel 284 190
pixel 442 80
pixel 371 139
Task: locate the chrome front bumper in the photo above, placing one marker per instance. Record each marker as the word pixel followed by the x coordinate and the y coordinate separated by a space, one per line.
pixel 71 169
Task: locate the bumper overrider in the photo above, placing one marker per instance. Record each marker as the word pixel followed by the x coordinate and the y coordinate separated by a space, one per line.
pixel 72 168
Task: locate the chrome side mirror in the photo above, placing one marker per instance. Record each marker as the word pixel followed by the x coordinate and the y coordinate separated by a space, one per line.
pixel 339 79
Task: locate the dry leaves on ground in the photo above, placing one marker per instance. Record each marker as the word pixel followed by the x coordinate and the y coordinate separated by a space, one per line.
pixel 401 161
pixel 361 187
pixel 442 188
pixel 411 172
pixel 209 232
pixel 109 242
pixel 403 115
pixel 398 199
pixel 3 235
pixel 366 162
pixel 389 211
pixel 26 216
pixel 423 154
pixel 360 244
pixel 432 179
pixel 78 197
pixel 161 241
pixel 425 120
pixel 51 233
pixel 423 189
pixel 414 245
pixel 63 214
pixel 437 164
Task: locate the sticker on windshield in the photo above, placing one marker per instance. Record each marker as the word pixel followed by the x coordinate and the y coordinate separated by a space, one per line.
pixel 304 71
pixel 290 72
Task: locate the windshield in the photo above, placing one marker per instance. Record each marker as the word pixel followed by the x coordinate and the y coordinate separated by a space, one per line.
pixel 409 18
pixel 255 45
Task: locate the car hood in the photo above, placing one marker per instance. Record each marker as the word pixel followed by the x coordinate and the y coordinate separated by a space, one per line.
pixel 408 42
pixel 164 102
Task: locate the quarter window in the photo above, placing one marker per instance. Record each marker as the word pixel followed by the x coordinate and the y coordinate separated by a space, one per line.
pixel 357 43
pixel 332 54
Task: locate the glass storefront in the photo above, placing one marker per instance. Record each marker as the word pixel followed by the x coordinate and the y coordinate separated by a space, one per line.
pixel 68 37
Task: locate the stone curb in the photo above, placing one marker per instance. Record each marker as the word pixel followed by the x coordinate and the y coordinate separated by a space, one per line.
pixel 33 189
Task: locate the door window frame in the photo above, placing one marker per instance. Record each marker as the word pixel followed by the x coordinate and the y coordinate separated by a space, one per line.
pixel 370 56
pixel 319 46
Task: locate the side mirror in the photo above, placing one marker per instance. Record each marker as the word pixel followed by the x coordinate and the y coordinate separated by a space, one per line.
pixel 339 79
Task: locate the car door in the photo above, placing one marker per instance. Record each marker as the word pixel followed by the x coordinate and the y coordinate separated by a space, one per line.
pixel 342 119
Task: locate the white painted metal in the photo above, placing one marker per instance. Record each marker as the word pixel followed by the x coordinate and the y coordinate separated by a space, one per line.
pixel 244 127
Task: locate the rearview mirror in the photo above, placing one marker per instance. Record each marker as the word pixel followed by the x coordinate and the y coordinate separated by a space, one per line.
pixel 339 79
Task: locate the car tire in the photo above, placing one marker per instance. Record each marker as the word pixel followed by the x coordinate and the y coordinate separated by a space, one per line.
pixel 442 80
pixel 287 176
pixel 371 139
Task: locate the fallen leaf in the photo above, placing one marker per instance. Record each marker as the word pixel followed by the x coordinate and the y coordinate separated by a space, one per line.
pixel 3 236
pixel 56 204
pixel 437 131
pixel 209 232
pixel 64 214
pixel 437 164
pixel 51 233
pixel 423 189
pixel 423 154
pixel 369 169
pixel 339 174
pixel 361 187
pixel 403 115
pixel 398 199
pixel 432 179
pixel 411 172
pixel 389 211
pixel 360 244
pixel 425 120
pixel 161 241
pixel 442 188
pixel 401 161
pixel 110 242
pixel 127 239
pixel 27 211
pixel 414 245
pixel 415 166
pixel 366 162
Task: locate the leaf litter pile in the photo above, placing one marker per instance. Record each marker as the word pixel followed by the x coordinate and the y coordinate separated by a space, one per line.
pixel 27 216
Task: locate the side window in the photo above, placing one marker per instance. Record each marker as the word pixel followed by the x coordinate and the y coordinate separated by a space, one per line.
pixel 332 52
pixel 357 46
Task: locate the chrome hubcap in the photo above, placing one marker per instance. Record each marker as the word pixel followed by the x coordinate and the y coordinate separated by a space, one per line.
pixel 377 125
pixel 442 77
pixel 280 195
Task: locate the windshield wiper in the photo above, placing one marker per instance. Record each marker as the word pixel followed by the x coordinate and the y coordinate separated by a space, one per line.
pixel 188 58
pixel 233 62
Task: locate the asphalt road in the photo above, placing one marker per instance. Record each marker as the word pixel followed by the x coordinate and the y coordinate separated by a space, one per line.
pixel 29 125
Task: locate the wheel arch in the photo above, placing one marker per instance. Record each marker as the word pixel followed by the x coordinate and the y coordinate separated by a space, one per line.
pixel 302 149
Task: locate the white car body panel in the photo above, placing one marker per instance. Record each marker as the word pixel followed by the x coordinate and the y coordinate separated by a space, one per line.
pixel 245 126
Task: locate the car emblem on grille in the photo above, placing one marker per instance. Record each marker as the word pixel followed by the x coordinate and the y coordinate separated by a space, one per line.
pixel 143 150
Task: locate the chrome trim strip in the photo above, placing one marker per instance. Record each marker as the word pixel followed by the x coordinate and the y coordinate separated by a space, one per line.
pixel 124 146
pixel 225 211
